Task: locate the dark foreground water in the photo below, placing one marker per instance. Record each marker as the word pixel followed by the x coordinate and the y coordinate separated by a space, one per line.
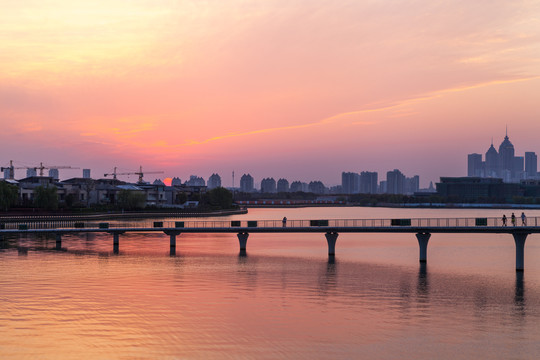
pixel 285 299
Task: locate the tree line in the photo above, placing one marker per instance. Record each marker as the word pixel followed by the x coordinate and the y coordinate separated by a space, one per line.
pixel 46 198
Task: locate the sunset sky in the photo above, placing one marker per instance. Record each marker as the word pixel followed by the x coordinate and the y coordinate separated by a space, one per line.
pixel 301 89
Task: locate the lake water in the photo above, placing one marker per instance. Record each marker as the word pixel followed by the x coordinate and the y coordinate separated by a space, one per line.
pixel 284 299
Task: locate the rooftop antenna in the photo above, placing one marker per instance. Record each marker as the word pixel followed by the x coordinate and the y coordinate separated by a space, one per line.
pixel 233 179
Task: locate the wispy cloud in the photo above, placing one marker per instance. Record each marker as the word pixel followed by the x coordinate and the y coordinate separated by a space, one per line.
pixel 30 127
pixel 400 108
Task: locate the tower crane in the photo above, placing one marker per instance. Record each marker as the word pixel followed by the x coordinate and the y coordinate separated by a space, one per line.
pixel 140 173
pixel 41 167
pixel 12 168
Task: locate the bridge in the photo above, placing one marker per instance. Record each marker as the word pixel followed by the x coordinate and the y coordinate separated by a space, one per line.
pixel 421 227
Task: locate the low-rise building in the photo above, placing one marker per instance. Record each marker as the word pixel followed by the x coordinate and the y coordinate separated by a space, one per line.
pixel 476 188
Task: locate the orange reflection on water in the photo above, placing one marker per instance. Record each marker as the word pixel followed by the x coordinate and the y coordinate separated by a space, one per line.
pixel 284 299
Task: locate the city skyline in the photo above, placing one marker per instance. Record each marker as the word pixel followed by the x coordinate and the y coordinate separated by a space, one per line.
pixel 504 163
pixel 217 179
pixel 475 166
pixel 31 168
pixel 303 91
pixel 25 169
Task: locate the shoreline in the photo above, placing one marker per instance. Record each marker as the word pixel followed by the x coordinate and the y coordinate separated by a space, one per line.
pixel 119 215
pixel 408 206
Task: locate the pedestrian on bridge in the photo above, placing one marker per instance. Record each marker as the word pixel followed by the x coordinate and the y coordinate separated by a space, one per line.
pixel 513 217
pixel 284 221
pixel 523 219
pixel 504 219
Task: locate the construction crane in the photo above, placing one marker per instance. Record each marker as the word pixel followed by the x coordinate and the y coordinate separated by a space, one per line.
pixel 140 173
pixel 11 168
pixel 41 167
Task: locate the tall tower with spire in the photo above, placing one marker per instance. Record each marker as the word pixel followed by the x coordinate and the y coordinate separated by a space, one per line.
pixel 506 158
pixel 492 161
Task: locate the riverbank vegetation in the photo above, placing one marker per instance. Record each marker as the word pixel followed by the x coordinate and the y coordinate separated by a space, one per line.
pixel 46 200
pixel 8 196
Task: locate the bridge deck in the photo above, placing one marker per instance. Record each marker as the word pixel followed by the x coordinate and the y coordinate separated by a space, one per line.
pixel 431 225
pixel 318 229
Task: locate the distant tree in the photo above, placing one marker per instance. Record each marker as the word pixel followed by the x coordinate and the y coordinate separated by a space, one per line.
pixel 70 200
pixel 46 197
pixel 181 198
pixel 219 198
pixel 130 200
pixel 8 195
pixel 88 187
pixel 243 196
pixel 436 199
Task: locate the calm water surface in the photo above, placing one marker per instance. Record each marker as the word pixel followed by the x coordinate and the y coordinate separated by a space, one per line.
pixel 285 299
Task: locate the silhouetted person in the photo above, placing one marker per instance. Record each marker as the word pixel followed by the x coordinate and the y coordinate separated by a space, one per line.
pixel 284 221
pixel 523 219
pixel 504 219
pixel 513 217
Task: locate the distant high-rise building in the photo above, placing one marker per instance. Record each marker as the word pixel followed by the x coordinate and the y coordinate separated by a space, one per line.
pixel 412 185
pixel 383 187
pixel 519 168
pixel 474 165
pixel 195 180
pixel 282 185
pixel 350 182
pixel 368 182
pixel 506 157
pixel 395 182
pixel 31 172
pixel 297 186
pixel 86 173
pixel 54 174
pixel 317 187
pixel 268 185
pixel 531 164
pixel 246 183
pixel 492 162
pixel 176 181
pixel 214 181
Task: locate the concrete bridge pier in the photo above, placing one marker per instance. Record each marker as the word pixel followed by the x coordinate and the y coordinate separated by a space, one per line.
pixel 423 239
pixel 331 238
pixel 519 239
pixel 116 241
pixel 172 234
pixel 58 241
pixel 242 239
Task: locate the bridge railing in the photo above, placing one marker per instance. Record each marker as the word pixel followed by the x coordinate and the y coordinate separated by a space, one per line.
pixel 207 224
